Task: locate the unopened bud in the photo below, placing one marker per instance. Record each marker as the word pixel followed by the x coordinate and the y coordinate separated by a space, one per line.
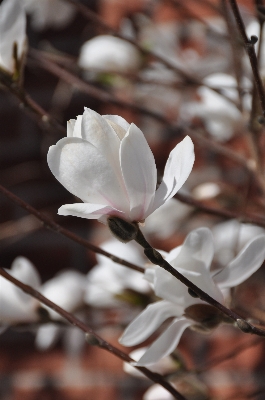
pixel 123 230
pixel 192 293
pixel 92 340
pixel 244 326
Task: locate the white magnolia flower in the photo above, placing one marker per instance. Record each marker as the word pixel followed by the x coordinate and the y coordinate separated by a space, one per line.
pixel 106 53
pixel 230 237
pixel 67 291
pixel 49 13
pixel 193 260
pixel 221 116
pixel 12 33
pixel 107 163
pixel 15 305
pixel 107 278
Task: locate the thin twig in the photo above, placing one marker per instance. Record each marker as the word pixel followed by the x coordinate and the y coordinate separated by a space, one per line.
pixel 157 378
pixel 49 223
pixel 29 104
pixel 247 219
pixel 250 49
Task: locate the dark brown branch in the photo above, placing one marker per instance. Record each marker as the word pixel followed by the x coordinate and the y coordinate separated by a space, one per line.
pixel 98 341
pixel 49 223
pixel 29 104
pixel 247 219
pixel 249 47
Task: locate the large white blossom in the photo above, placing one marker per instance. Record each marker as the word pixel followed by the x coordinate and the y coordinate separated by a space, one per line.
pixel 108 279
pixel 107 163
pixel 193 260
pixel 12 33
pixel 15 305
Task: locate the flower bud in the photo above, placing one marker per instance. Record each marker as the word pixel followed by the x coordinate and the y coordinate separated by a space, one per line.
pixel 123 230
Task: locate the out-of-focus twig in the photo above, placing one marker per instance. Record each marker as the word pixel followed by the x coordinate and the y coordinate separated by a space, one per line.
pixel 247 218
pixel 29 104
pixel 98 341
pixel 49 223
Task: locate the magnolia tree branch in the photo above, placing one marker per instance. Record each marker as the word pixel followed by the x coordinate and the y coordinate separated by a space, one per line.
pixel 156 258
pixel 247 218
pixel 97 340
pixel 215 361
pixel 49 223
pixel 29 104
pixel 249 47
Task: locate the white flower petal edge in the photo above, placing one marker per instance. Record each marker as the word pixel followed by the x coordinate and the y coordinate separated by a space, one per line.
pixel 177 170
pixel 244 265
pixel 107 162
pixel 166 343
pixel 12 30
pixel 148 321
pixel 139 172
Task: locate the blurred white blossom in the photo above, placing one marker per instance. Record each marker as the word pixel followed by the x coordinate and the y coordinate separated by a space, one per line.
pixel 157 392
pixel 67 291
pixel 49 13
pixel 220 115
pixel 109 279
pixel 193 260
pixel 15 305
pixel 106 53
pixel 230 237
pixel 12 34
pixel 166 219
pixel 107 163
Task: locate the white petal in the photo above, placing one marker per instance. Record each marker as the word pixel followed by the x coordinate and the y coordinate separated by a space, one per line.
pixel 177 171
pixel 87 210
pixel 15 305
pixel 166 343
pixel 97 131
pixel 148 321
pixel 66 290
pixel 117 121
pixel 82 170
pixel 157 392
pixel 244 265
pixel 25 271
pixel 46 336
pixel 74 127
pixel 12 30
pixel 197 245
pixel 139 172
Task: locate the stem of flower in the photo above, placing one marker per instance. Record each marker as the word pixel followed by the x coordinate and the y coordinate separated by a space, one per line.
pixel 156 258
